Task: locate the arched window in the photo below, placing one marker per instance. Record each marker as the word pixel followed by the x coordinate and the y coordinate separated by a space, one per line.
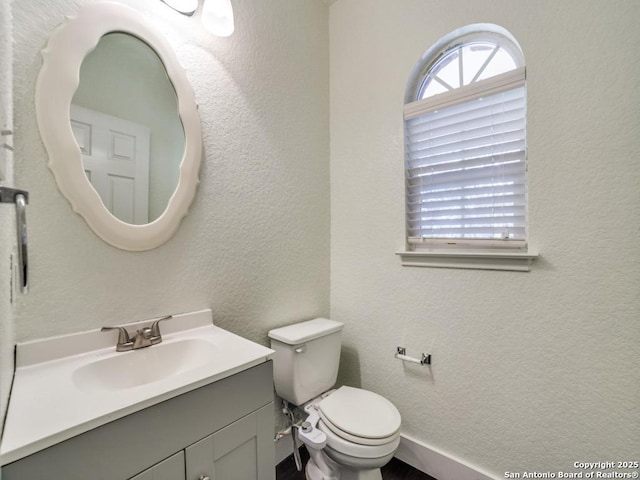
pixel 465 143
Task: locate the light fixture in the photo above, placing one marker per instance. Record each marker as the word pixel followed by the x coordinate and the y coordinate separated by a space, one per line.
pixel 183 6
pixel 217 17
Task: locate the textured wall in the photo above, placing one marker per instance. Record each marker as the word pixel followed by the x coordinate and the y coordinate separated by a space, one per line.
pixel 255 245
pixel 530 370
pixel 7 215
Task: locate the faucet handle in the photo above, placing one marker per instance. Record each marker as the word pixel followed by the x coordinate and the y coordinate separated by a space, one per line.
pixel 123 335
pixel 155 326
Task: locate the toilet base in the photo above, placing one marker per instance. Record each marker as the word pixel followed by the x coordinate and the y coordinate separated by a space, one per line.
pixel 320 467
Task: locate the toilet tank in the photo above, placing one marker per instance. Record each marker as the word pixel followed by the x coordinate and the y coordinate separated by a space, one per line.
pixel 307 358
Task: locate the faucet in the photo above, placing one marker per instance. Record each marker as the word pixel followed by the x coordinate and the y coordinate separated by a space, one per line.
pixel 144 337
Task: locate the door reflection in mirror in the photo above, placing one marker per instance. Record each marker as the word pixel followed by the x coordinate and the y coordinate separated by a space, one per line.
pixel 115 157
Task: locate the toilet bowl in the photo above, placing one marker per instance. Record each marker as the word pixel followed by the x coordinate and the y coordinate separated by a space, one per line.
pixel 362 432
pixel 350 433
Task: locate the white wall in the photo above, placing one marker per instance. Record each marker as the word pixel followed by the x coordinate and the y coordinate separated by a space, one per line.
pixel 7 212
pixel 531 371
pixel 255 245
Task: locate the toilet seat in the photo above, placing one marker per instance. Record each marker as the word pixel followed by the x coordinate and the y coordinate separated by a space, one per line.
pixel 358 450
pixel 359 423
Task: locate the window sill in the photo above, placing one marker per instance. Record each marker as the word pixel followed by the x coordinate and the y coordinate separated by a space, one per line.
pixel 506 261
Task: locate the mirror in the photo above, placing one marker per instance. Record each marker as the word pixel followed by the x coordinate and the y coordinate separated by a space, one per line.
pixel 124 116
pixel 118 118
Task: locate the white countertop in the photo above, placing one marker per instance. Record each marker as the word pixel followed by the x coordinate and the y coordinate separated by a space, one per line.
pixel 50 404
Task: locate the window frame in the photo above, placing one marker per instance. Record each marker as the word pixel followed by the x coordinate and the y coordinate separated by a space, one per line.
pixel 475 254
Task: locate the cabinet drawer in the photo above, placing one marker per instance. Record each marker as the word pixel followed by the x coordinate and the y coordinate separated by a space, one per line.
pixel 170 469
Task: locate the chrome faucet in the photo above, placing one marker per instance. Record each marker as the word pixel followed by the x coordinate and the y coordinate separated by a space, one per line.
pixel 144 337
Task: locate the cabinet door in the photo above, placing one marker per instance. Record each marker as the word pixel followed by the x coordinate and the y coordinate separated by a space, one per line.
pixel 170 469
pixel 240 451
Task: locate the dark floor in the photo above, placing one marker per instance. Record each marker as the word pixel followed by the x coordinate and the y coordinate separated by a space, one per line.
pixel 394 470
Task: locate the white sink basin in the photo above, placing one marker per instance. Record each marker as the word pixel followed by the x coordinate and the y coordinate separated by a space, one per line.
pixel 68 385
pixel 145 365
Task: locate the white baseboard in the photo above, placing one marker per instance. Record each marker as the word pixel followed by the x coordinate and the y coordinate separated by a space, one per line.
pixel 426 459
pixel 435 463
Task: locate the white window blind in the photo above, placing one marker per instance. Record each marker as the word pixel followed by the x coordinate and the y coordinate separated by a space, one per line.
pixel 466 164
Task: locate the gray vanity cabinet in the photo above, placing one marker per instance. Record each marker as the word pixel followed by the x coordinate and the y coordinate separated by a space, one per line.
pixel 241 451
pixel 223 431
pixel 236 452
pixel 170 469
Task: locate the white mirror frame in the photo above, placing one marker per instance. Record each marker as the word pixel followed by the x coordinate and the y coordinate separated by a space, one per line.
pixel 57 82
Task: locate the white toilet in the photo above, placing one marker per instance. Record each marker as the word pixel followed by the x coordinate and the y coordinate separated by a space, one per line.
pixel 350 432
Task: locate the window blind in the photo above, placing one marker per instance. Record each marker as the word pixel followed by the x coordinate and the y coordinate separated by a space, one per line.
pixel 466 163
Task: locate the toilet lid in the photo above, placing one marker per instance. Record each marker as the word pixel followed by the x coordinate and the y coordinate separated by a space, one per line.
pixel 360 413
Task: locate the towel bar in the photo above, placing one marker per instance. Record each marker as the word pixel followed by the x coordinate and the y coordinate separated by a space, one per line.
pixel 21 199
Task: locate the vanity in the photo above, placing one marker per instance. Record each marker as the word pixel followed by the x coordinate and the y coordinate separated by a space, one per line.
pixel 197 406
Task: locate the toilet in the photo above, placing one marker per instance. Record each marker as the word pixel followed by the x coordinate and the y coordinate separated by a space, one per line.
pixel 350 433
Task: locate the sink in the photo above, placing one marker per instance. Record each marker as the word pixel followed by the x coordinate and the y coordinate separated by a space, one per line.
pixel 67 385
pixel 140 367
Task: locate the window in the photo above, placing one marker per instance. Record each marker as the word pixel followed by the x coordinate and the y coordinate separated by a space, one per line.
pixel 465 146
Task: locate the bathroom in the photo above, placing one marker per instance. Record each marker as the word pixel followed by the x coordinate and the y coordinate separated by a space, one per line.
pixel 299 213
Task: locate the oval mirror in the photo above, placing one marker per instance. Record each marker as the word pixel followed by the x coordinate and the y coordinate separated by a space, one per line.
pixel 124 117
pixel 119 120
